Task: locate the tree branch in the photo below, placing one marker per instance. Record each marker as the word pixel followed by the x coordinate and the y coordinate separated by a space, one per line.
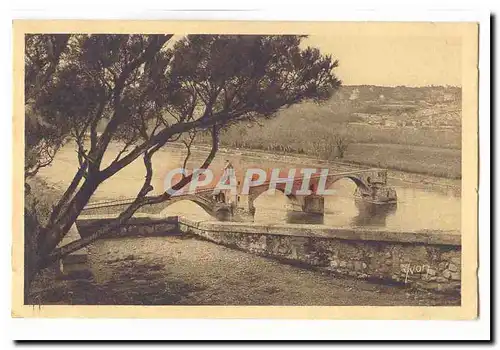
pixel 154 46
pixel 188 144
pixel 161 138
pixel 67 194
pixel 139 202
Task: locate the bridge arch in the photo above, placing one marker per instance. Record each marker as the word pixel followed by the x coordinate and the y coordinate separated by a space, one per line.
pixel 361 183
pixel 210 206
pixel 256 192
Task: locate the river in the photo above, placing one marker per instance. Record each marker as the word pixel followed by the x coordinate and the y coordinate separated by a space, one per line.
pixel 419 207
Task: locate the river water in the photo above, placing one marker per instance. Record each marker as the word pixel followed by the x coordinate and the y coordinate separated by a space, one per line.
pixel 419 207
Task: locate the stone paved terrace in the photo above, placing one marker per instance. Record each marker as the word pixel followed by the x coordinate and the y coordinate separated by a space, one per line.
pixel 188 271
pixel 421 259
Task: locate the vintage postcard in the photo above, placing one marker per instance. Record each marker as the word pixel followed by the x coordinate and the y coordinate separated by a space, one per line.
pixel 177 169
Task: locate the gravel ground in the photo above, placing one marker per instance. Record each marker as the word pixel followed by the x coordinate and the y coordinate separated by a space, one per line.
pixel 188 271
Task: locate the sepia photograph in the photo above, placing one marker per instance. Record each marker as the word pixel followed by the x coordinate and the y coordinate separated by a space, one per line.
pixel 321 165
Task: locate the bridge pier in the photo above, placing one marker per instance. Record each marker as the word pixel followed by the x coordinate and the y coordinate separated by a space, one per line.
pixel 314 204
pixel 245 204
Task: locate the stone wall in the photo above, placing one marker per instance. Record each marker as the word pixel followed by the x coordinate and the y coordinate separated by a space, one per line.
pixel 429 260
pixel 422 259
pixel 118 206
pixel 137 226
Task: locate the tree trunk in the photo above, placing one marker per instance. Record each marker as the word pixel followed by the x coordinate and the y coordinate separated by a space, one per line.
pixel 30 273
pixel 32 232
pixel 56 232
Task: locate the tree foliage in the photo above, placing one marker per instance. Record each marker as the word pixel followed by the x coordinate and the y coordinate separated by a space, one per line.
pixel 146 92
pixel 43 137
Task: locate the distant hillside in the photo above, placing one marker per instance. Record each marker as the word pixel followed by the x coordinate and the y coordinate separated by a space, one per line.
pixel 432 106
pixel 399 94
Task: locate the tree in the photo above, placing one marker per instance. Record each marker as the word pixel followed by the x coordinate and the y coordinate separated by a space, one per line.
pixel 43 137
pixel 146 94
pixel 342 143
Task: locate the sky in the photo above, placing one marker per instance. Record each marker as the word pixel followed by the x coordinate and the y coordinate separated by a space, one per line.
pixel 393 60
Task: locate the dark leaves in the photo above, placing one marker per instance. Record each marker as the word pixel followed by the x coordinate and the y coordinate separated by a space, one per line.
pixel 216 79
pixel 244 74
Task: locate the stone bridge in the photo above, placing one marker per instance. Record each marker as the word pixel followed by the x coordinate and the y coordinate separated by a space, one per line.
pixel 222 210
pixel 205 199
pixel 371 186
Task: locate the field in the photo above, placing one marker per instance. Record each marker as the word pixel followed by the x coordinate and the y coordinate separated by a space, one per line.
pixel 421 160
pixel 422 151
